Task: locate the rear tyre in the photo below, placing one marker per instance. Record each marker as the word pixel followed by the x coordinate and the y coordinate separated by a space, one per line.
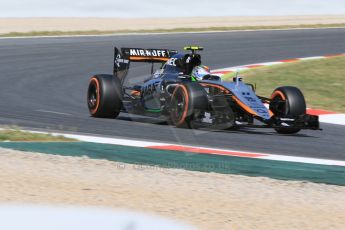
pixel 292 103
pixel 104 96
pixel 187 98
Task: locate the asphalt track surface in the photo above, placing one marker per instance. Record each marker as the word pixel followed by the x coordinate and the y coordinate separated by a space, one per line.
pixel 44 82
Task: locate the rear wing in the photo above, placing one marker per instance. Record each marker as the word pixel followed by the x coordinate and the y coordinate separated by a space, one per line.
pixel 124 56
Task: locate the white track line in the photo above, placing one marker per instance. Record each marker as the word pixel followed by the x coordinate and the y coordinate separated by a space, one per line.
pixel 146 144
pixel 48 111
pixel 337 119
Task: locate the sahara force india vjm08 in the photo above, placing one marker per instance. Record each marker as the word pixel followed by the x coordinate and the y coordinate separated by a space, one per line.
pixel 185 93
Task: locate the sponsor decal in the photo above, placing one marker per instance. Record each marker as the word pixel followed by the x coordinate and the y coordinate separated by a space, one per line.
pixel 287 119
pixel 119 60
pixel 172 61
pixel 148 53
pixel 150 89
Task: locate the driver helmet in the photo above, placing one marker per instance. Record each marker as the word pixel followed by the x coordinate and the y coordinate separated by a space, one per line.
pixel 200 71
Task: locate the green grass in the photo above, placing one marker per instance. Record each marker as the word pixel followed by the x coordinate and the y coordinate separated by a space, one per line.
pixel 322 81
pixel 18 135
pixel 98 32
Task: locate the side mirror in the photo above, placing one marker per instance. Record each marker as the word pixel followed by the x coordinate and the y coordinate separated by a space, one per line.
pixel 212 78
pixel 182 75
pixel 236 79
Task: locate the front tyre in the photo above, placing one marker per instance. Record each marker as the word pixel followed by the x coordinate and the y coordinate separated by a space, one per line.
pixel 287 101
pixel 104 96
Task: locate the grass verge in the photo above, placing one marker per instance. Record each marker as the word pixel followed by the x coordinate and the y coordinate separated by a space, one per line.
pixel 233 28
pixel 18 135
pixel 322 81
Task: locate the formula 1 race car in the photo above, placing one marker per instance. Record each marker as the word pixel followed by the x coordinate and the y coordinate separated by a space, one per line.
pixel 186 94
